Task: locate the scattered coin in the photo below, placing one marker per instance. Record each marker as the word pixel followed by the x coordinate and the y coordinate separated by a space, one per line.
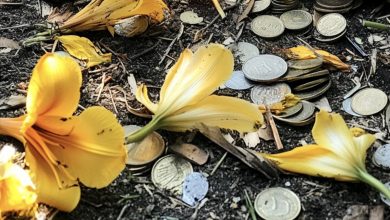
pixel 296 19
pixel 331 25
pixel 269 94
pixel 267 26
pixel 195 188
pixel 381 157
pixel 305 64
pixel 169 173
pixel 260 5
pixel 190 17
pixel 277 203
pixel 348 109
pixel 264 68
pixel 238 81
pixel 369 101
pixel 245 51
pixel 383 198
pixel 311 94
pixel 291 111
pixel 191 152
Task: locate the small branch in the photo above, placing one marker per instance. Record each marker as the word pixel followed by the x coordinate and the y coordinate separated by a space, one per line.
pixel 376 25
pixel 278 142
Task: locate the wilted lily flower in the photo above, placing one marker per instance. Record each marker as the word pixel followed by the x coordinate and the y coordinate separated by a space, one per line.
pixel 63 150
pixel 186 100
pixel 339 153
pixel 17 190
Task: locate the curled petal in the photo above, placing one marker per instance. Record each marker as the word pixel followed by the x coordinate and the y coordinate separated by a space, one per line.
pixel 143 97
pixel 362 143
pixel 220 111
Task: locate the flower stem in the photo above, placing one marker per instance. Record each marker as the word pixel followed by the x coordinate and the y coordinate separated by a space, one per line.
pixel 372 181
pixel 11 127
pixel 143 132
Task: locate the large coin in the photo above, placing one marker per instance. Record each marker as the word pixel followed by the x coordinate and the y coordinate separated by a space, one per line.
pixel 261 5
pixel 267 26
pixel 269 94
pixel 296 19
pixel 169 173
pixel 264 68
pixel 369 101
pixel 277 203
pixel 331 25
pixel 238 81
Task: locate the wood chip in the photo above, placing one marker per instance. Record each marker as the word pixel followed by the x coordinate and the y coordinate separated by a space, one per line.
pixel 191 152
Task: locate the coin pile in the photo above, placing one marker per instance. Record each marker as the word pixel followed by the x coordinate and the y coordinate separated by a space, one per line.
pixel 331 27
pixel 367 101
pixel 336 6
pixel 280 6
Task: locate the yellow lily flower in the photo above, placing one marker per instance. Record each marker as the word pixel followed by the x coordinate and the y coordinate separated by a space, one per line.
pixel 185 99
pixel 17 191
pixel 63 150
pixel 340 153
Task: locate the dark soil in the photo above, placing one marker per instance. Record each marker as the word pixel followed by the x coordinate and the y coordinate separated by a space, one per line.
pixel 321 198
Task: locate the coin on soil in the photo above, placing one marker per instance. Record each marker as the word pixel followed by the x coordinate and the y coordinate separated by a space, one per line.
pixel 369 101
pixel 245 51
pixel 331 25
pixel 264 68
pixel 267 26
pixel 381 156
pixel 238 81
pixel 269 94
pixel 348 109
pixel 260 5
pixel 169 173
pixel 296 19
pixel 277 203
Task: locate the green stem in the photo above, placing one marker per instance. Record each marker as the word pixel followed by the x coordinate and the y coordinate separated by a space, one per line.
pixel 376 25
pixel 143 132
pixel 372 181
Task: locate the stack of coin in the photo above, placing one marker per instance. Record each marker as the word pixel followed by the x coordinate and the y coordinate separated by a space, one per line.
pixel 142 154
pixel 297 21
pixel 331 27
pixel 280 6
pixel 367 101
pixel 335 6
pixel 299 115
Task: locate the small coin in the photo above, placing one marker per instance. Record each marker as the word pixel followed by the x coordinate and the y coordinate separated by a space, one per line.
pixel 277 203
pixel 245 51
pixel 238 81
pixel 296 19
pixel 264 68
pixel 269 94
pixel 195 188
pixel 305 64
pixel 291 111
pixel 331 25
pixel 369 101
pixel 267 26
pixel 169 173
pixel 260 5
pixel 381 156
pixel 383 197
pixel 348 109
pixel 306 112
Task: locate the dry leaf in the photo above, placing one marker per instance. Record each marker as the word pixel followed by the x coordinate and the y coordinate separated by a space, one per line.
pixel 8 43
pixel 58 16
pixel 83 49
pixel 12 102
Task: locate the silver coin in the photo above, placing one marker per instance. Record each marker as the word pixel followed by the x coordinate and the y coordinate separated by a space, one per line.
pixel 369 101
pixel 245 51
pixel 291 110
pixel 264 68
pixel 238 81
pixel 269 94
pixel 383 198
pixel 381 157
pixel 267 26
pixel 195 188
pixel 260 5
pixel 277 203
pixel 296 19
pixel 307 111
pixel 331 25
pixel 348 109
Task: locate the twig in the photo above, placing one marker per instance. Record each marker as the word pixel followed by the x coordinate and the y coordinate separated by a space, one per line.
pixel 40 7
pixel 145 51
pixel 112 100
pixel 275 133
pixel 218 164
pixel 101 86
pixel 250 206
pixel 53 49
pixel 11 3
pixel 14 27
pixel 357 47
pixel 122 211
pixel 201 204
pixel 181 30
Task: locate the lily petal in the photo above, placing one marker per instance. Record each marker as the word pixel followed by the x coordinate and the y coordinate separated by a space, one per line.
pixel 54 87
pixel 93 152
pixel 362 143
pixel 11 127
pixel 314 160
pixel 220 111
pixel 197 76
pixel 330 131
pixel 143 97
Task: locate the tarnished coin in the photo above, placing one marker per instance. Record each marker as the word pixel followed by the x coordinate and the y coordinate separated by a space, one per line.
pixel 369 101
pixel 264 68
pixel 169 173
pixel 269 94
pixel 323 39
pixel 195 188
pixel 305 64
pixel 267 26
pixel 331 25
pixel 260 5
pixel 319 90
pixel 308 76
pixel 238 81
pixel 277 203
pixel 245 51
pixel 307 111
pixel 348 109
pixel 291 111
pixel 310 84
pixel 296 19
pixel 383 197
pixel 381 157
